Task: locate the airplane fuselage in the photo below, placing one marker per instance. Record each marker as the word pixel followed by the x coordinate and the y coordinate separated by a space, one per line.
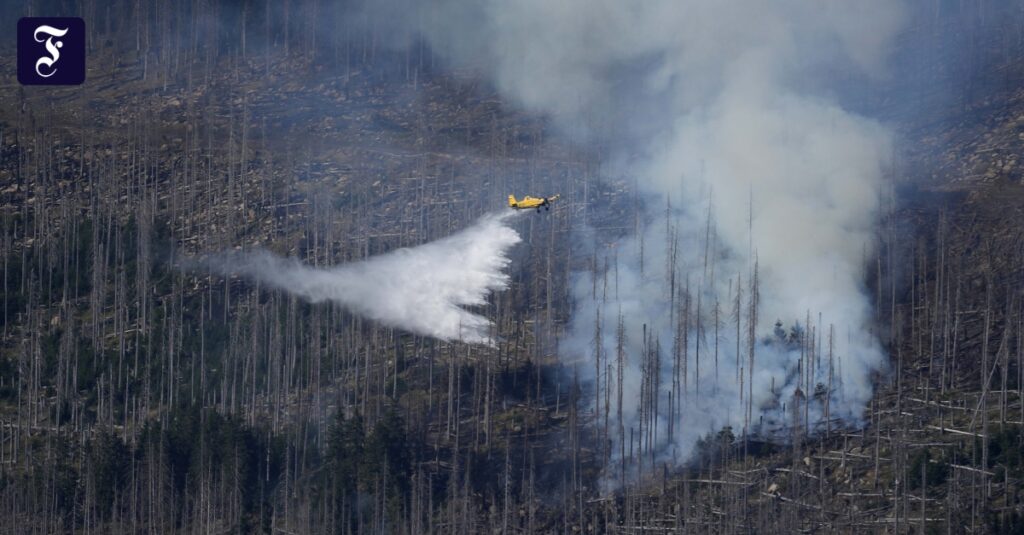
pixel 528 202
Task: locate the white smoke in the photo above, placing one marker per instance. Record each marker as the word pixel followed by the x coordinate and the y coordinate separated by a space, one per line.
pixel 419 289
pixel 720 107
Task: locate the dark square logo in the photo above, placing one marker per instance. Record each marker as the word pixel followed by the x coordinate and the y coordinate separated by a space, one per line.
pixel 51 50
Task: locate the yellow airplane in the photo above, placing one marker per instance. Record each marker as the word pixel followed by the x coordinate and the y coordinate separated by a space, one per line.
pixel 531 202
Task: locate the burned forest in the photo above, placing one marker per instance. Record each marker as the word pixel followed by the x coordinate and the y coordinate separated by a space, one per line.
pixel 271 267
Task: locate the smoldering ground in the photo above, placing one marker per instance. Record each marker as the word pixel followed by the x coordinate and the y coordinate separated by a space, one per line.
pixel 721 111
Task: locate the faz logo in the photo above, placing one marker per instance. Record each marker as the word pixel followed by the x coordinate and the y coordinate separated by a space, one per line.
pixel 51 50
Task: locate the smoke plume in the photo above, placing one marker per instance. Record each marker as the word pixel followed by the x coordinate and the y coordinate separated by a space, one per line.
pixel 419 289
pixel 761 194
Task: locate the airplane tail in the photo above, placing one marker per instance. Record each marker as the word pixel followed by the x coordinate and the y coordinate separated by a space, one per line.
pixel 512 201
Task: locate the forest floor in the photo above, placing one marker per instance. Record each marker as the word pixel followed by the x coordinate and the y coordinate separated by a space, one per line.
pixel 939 450
pixel 333 167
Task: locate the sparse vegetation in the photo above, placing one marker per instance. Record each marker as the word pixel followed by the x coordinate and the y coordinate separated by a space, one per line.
pixel 139 397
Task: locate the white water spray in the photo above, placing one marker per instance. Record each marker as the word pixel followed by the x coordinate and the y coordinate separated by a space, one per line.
pixel 420 289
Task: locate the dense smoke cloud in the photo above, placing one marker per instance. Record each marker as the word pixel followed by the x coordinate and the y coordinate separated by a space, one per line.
pixel 725 112
pixel 420 289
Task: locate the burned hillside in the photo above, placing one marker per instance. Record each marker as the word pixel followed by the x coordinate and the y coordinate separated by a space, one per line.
pixel 630 380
